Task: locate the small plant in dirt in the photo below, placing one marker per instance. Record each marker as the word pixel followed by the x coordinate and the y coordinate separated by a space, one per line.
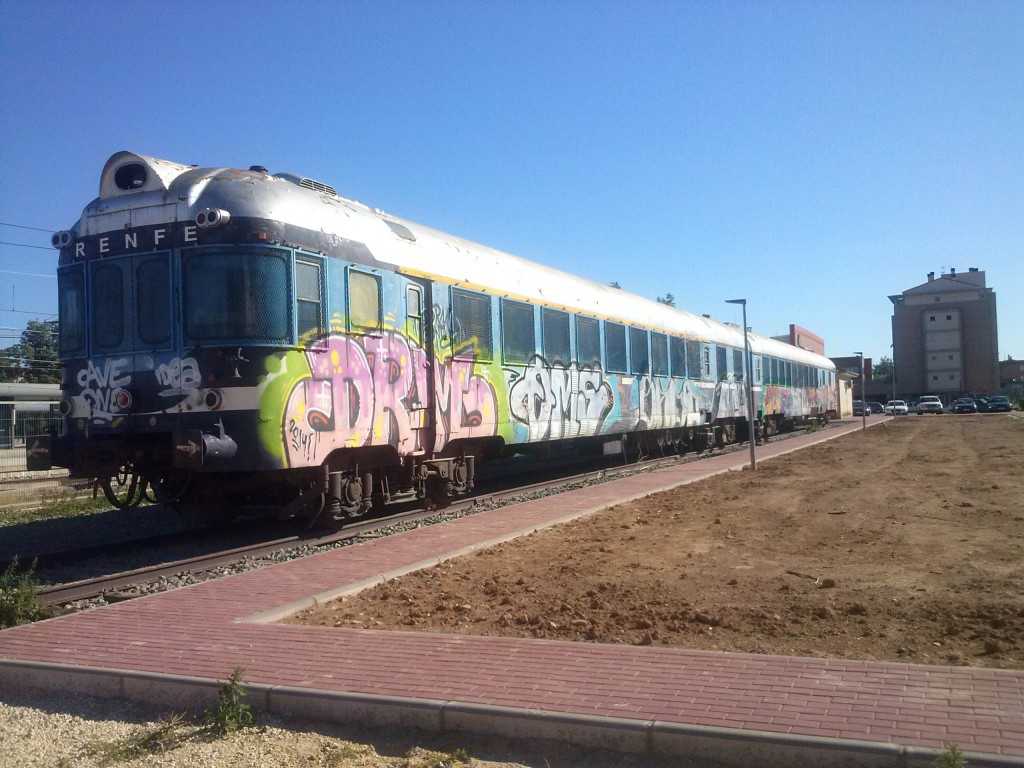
pixel 950 757
pixel 231 712
pixel 163 737
pixel 18 595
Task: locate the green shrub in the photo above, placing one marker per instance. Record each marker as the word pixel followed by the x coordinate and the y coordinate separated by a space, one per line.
pixel 18 595
pixel 950 757
pixel 231 712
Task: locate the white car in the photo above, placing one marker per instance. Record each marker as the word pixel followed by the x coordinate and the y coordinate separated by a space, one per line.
pixel 897 408
pixel 929 404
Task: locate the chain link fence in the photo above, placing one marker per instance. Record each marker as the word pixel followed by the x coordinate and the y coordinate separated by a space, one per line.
pixel 20 421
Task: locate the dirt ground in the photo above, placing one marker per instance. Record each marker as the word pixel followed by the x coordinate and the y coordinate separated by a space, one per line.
pixel 904 542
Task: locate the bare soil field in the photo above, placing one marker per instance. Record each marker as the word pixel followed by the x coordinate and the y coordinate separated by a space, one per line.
pixel 904 542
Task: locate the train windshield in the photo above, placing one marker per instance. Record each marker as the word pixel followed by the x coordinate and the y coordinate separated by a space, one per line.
pixel 71 289
pixel 236 296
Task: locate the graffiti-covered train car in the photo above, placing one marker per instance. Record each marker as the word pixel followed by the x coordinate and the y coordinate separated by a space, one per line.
pixel 233 338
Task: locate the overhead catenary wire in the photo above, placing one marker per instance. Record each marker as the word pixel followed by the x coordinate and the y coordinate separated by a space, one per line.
pixel 25 245
pixel 23 226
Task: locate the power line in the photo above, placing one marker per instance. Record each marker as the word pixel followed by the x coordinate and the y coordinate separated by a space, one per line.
pixel 23 245
pixel 26 274
pixel 22 226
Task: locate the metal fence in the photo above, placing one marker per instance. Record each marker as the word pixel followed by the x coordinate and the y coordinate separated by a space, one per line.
pixel 20 421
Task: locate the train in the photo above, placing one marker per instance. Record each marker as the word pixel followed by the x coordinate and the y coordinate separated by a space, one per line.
pixel 234 339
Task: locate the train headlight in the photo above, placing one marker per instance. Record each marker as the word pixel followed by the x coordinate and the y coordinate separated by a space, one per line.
pixel 66 407
pixel 123 399
pixel 213 399
pixel 212 217
pixel 62 239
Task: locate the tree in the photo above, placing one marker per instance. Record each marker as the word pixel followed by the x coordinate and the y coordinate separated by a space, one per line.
pixel 668 299
pixel 34 358
pixel 883 369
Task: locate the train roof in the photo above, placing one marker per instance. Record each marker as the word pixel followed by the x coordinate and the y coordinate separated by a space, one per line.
pixel 138 189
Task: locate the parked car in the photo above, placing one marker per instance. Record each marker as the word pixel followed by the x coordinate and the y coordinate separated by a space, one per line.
pixel 897 408
pixel 965 405
pixel 994 404
pixel 876 407
pixel 858 408
pixel 929 404
pixel 912 406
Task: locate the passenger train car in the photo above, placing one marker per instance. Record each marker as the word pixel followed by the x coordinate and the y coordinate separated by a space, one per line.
pixel 231 337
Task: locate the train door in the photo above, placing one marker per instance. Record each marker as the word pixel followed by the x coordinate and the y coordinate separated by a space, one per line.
pixel 129 372
pixel 418 332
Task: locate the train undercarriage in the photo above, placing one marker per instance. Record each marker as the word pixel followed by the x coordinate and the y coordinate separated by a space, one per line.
pixel 353 481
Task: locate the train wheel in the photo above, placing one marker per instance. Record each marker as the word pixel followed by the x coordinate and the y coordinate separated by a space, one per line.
pixel 124 489
pixel 344 501
pixel 440 492
pixel 167 488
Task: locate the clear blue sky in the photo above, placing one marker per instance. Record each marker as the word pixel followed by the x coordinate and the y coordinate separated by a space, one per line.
pixel 813 157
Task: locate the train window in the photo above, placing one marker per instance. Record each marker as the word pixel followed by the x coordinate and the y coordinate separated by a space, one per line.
pixel 308 298
pixel 694 366
pixel 71 288
pixel 615 347
pixel 659 354
pixel 721 360
pixel 471 325
pixel 555 333
pixel 757 369
pixel 737 364
pixel 639 351
pixel 229 295
pixel 518 338
pixel 414 313
pixel 677 356
pixel 153 300
pixel 363 302
pixel 705 361
pixel 588 342
pixel 107 289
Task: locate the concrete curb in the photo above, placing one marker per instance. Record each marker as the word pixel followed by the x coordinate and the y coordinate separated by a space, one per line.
pixel 725 747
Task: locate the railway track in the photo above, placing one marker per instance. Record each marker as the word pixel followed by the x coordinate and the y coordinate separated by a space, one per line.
pixel 123 585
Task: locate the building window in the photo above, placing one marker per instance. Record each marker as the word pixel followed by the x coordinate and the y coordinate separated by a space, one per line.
pixel 931 318
pixel 935 378
pixel 949 317
pixel 938 298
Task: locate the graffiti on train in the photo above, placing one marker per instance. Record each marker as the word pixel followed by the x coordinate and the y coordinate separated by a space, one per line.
pixel 178 380
pixel 557 401
pixel 374 391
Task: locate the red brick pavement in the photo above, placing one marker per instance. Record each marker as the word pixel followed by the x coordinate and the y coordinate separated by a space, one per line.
pixel 204 631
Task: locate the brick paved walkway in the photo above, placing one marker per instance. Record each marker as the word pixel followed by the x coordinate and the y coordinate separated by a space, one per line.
pixel 740 709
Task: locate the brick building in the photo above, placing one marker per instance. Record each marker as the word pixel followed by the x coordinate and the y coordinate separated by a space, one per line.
pixel 944 336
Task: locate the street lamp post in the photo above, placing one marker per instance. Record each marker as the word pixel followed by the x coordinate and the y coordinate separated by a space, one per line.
pixel 863 399
pixel 748 365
